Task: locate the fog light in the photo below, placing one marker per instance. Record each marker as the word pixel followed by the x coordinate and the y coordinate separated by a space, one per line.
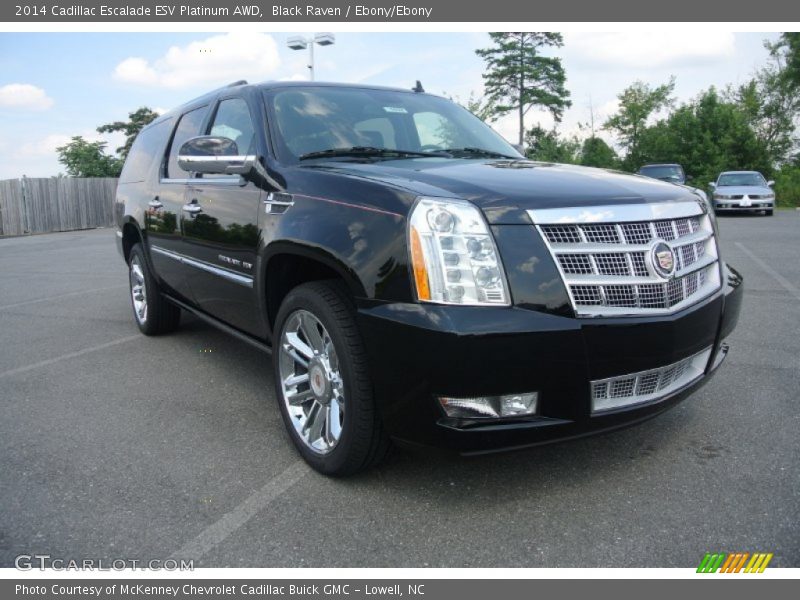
pixel 490 407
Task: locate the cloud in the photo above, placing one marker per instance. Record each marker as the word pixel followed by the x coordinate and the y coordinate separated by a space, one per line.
pixel 43 146
pixel 651 49
pixel 46 146
pixel 24 96
pixel 218 59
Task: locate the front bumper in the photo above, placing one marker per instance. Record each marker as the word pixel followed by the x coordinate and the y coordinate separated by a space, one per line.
pixel 738 206
pixel 419 352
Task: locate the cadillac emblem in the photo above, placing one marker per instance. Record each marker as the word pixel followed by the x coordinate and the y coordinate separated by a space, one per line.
pixel 663 260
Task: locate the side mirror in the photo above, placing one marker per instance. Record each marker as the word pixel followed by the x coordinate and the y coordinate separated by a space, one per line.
pixel 770 183
pixel 712 185
pixel 210 154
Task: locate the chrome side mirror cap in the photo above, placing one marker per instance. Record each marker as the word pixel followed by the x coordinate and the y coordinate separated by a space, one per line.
pixel 712 185
pixel 210 154
pixel 770 183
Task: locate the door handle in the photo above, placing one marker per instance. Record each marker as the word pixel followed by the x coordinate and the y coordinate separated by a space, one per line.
pixel 192 208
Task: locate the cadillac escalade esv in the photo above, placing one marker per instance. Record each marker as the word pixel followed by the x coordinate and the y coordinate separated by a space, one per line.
pixel 414 277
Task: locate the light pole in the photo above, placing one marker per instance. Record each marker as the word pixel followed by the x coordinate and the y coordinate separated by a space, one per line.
pixel 301 43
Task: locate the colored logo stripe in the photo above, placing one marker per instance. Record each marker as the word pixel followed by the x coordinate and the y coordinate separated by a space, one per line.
pixel 758 563
pixel 710 563
pixel 734 562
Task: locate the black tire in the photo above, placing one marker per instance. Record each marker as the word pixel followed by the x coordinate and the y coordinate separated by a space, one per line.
pixel 363 441
pixel 160 316
pixel 768 213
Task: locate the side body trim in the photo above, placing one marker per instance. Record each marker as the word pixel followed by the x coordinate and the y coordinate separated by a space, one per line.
pixel 204 266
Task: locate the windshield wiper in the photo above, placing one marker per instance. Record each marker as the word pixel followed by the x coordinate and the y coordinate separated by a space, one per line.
pixel 479 152
pixel 368 151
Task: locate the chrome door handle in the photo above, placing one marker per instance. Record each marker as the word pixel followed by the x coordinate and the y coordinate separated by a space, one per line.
pixel 192 208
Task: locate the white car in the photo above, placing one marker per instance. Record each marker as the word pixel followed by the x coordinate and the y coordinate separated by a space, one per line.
pixel 743 191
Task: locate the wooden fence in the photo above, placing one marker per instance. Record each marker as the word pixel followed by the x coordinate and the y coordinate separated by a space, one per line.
pixel 55 204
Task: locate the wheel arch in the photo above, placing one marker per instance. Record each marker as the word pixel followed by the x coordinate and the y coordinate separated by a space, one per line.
pixel 285 265
pixel 131 235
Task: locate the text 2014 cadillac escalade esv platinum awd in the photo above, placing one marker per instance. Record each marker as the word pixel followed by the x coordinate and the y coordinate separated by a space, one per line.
pixel 414 277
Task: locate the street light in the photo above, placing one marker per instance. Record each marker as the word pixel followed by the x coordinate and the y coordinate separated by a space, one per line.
pixel 301 43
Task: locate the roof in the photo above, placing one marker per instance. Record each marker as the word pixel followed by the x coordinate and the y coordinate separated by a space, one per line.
pixel 270 85
pixel 740 173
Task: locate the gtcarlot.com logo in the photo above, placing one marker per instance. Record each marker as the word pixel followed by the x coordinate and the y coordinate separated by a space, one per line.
pixel 42 562
pixel 736 562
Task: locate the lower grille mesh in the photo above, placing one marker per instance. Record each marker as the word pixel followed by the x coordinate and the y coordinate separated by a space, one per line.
pixel 646 386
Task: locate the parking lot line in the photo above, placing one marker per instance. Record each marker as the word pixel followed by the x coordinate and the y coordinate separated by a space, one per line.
pixel 770 271
pixel 229 523
pixel 59 296
pixel 50 361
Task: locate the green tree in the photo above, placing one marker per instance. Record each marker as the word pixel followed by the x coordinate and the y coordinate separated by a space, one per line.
pixel 547 146
pixel 518 77
pixel 706 136
pixel 787 51
pixel 131 128
pixel 637 104
pixel 88 159
pixel 597 153
pixel 771 104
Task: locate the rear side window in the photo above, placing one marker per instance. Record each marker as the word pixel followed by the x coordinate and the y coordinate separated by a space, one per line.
pixel 148 144
pixel 188 127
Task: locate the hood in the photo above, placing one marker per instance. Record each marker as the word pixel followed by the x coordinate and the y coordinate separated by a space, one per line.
pixel 505 189
pixel 741 190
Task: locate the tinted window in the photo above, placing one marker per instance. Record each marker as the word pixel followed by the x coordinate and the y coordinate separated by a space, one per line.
pixel 669 173
pixel 148 144
pixel 233 121
pixel 316 118
pixel 437 131
pixel 188 127
pixel 731 179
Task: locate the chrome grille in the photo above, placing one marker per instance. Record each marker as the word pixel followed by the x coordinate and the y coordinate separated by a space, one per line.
pixel 604 255
pixel 647 386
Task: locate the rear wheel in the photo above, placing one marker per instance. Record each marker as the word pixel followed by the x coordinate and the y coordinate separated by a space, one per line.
pixel 153 314
pixel 322 381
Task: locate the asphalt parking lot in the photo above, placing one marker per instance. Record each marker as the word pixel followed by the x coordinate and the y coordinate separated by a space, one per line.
pixel 118 446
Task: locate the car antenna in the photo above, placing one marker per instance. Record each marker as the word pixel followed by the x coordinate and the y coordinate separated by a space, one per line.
pixel 418 88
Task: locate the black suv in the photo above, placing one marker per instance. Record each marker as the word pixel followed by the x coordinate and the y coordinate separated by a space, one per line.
pixel 415 278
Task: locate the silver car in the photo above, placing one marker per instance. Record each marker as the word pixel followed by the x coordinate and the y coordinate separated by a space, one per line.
pixel 743 191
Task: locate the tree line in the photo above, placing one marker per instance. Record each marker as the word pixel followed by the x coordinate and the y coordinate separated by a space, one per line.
pixel 749 127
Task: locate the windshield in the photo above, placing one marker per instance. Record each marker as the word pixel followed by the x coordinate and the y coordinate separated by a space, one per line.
pixel 745 179
pixel 318 119
pixel 673 173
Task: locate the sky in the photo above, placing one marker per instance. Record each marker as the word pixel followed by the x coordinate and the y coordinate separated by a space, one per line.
pixel 57 85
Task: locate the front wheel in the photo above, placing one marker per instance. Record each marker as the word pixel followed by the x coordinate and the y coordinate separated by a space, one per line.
pixel 322 381
pixel 768 213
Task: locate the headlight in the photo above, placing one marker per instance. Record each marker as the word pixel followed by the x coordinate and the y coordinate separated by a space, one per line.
pixel 723 197
pixel 453 255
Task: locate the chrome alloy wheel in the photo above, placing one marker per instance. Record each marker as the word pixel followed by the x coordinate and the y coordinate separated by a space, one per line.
pixel 311 382
pixel 138 290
